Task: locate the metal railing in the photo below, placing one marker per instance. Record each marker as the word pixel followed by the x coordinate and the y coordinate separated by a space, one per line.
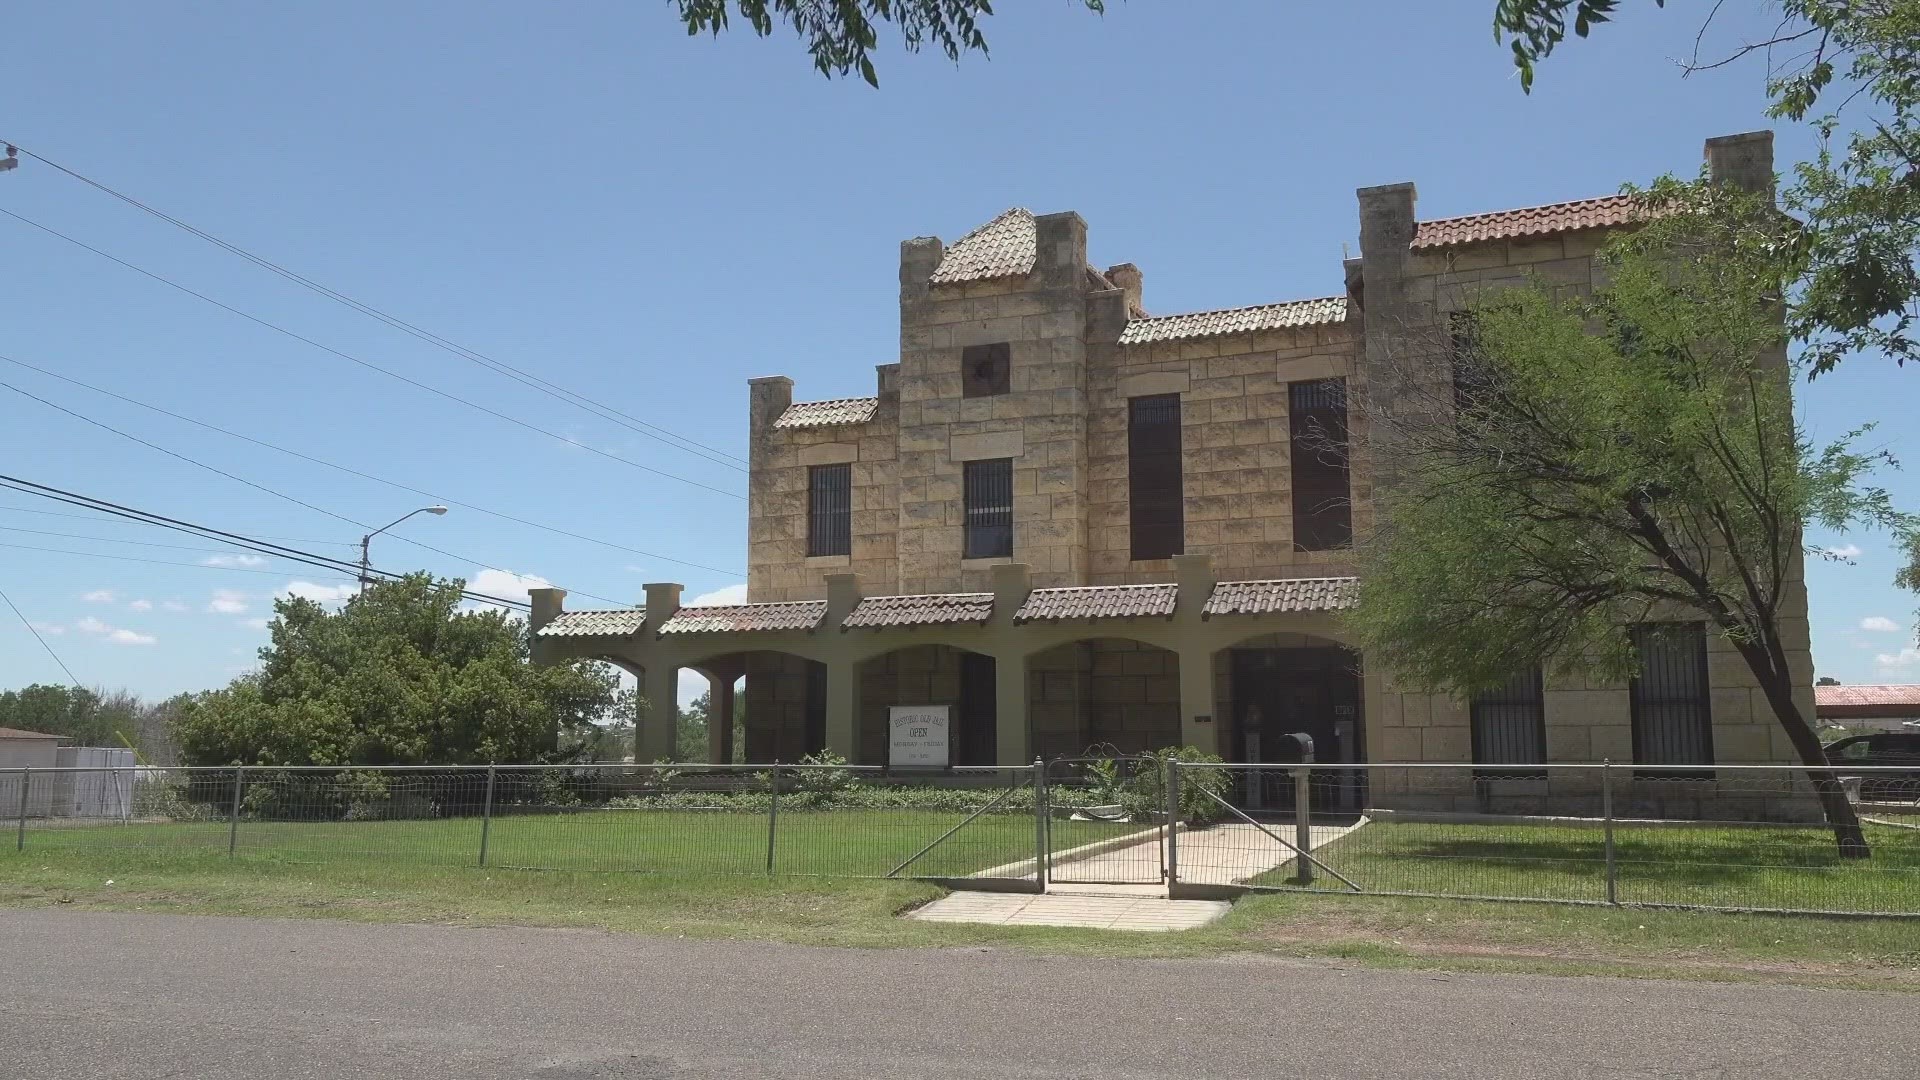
pixel 1737 837
pixel 1734 837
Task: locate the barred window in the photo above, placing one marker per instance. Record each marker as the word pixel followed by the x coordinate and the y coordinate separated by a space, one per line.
pixel 1672 710
pixel 830 510
pixel 987 490
pixel 1510 725
pixel 1155 498
pixel 985 370
pixel 1322 492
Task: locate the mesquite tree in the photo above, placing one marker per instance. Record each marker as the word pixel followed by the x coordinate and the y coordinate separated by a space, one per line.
pixel 1561 467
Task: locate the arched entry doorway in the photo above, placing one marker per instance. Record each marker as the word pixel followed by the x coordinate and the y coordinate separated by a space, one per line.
pixel 782 705
pixel 961 680
pixel 1103 693
pixel 1274 686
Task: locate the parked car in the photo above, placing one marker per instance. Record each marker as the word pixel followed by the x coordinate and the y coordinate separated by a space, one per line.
pixel 1888 748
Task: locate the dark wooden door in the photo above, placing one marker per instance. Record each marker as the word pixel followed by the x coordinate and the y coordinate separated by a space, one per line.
pixel 1314 691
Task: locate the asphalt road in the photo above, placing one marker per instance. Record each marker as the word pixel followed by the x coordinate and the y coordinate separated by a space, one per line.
pixel 95 995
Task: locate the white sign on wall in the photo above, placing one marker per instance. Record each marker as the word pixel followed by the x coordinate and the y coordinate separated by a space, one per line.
pixel 917 736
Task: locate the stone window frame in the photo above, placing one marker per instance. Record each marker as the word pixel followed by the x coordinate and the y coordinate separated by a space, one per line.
pixel 987 508
pixel 1320 452
pixel 1505 719
pixel 986 370
pixel 1671 656
pixel 829 510
pixel 1163 534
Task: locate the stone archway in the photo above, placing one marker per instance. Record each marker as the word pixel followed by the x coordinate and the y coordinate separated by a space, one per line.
pixel 1103 692
pixel 961 679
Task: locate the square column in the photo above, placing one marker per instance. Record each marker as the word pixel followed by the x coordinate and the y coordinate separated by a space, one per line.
pixel 659 728
pixel 1012 736
pixel 719 720
pixel 843 709
pixel 1196 700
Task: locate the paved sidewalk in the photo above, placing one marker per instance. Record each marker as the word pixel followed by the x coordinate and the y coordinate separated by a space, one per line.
pixel 1073 909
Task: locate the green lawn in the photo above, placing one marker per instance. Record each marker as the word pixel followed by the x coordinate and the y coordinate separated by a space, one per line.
pixel 1721 867
pixel 842 843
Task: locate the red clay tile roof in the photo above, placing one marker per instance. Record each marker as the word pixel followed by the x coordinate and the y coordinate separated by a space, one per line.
pixel 1896 700
pixel 802 414
pixel 1603 212
pixel 617 623
pixel 795 615
pixel 1098 602
pixel 1004 247
pixel 1285 594
pixel 1328 309
pixel 931 609
pixel 16 733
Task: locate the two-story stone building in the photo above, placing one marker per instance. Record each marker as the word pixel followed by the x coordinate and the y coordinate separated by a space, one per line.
pixel 1079 524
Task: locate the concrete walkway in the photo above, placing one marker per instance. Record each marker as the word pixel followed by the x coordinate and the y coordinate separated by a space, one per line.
pixel 1108 887
pixel 1090 910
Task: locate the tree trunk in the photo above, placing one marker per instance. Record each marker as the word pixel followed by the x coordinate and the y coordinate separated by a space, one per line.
pixel 1840 815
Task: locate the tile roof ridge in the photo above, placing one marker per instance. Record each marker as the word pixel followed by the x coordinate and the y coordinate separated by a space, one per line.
pixel 1618 195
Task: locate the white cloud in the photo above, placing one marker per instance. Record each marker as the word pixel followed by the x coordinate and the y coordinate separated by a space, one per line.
pixel 233 560
pixel 254 624
pixel 98 596
pixel 1844 551
pixel 140 605
pixel 113 635
pixel 319 594
pixel 1880 624
pixel 174 606
pixel 504 584
pixel 228 602
pixel 49 629
pixel 732 594
pixel 1899 663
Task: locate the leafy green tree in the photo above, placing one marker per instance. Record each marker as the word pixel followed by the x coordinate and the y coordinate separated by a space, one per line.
pixel 842 34
pixel 89 717
pixel 1858 286
pixel 1601 461
pixel 398 676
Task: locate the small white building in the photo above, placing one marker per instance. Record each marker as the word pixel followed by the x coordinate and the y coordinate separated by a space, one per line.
pixel 21 750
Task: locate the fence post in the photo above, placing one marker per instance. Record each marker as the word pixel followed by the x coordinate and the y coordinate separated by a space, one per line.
pixel 1041 813
pixel 486 816
pixel 1606 815
pixel 233 815
pixel 1173 822
pixel 1303 821
pixel 26 778
pixel 773 814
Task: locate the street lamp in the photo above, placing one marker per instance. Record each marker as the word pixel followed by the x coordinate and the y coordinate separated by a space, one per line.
pixel 366 578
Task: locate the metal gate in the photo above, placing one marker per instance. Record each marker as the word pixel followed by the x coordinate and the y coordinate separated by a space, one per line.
pixel 1106 821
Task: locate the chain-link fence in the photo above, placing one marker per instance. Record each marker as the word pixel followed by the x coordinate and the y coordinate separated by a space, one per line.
pixel 1744 837
pixel 984 826
pixel 1739 837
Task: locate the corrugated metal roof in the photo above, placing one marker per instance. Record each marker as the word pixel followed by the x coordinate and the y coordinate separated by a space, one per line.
pixel 16 733
pixel 803 414
pixel 793 615
pixel 1284 594
pixel 1867 700
pixel 1603 212
pixel 616 623
pixel 930 609
pixel 1326 309
pixel 1004 247
pixel 1099 602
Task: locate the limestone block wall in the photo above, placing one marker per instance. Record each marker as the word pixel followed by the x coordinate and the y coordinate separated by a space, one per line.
pixel 1040 424
pixel 1104 691
pixel 777 706
pixel 1235 449
pixel 778 567
pixel 917 675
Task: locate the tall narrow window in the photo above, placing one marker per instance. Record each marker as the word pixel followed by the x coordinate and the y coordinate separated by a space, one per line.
pixel 830 510
pixel 988 493
pixel 1672 713
pixel 985 370
pixel 1510 725
pixel 1154 490
pixel 1322 494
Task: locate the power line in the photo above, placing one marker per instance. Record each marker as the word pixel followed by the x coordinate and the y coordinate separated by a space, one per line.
pixel 96 517
pixel 551 389
pixel 369 365
pixel 159 562
pixel 35 631
pixel 396 485
pixel 110 539
pixel 260 487
pixel 246 543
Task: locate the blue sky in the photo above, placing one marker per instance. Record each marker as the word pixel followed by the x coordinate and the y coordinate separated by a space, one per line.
pixel 585 192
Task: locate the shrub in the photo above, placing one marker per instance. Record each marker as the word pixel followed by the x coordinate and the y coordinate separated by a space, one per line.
pixel 1145 794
